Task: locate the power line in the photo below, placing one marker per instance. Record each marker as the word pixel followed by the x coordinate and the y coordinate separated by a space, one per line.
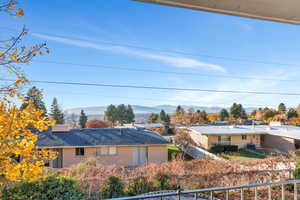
pixel 168 72
pixel 159 88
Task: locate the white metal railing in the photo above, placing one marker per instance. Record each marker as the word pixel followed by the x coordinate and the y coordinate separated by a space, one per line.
pixel 210 191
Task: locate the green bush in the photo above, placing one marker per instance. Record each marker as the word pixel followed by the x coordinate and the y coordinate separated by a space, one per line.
pixel 51 187
pixel 162 182
pixel 140 185
pixel 112 188
pixel 224 148
pixel 297 171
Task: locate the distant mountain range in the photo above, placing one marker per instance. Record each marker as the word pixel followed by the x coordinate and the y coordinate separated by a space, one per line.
pixel 141 112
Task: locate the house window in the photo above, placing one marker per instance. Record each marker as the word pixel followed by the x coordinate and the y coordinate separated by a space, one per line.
pixel 108 151
pixel 244 137
pixel 79 151
pixel 224 140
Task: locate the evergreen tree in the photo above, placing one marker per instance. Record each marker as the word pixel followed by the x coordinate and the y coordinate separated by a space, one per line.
pixel 82 119
pixel 121 113
pixel 153 118
pixel 111 114
pixel 129 114
pixel 35 96
pixel 292 113
pixel 56 113
pixel 281 107
pixel 223 115
pixel 162 116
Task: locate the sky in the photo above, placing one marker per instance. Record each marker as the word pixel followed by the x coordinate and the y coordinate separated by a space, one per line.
pixel 93 41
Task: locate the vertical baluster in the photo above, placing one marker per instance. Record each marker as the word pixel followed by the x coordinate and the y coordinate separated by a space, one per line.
pixel 242 194
pixel 161 198
pixel 227 194
pixel 295 191
pixel 196 196
pixel 211 195
pixel 255 193
pixel 269 192
pixel 282 192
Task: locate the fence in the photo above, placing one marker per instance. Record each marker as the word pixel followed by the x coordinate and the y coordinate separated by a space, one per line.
pixel 197 193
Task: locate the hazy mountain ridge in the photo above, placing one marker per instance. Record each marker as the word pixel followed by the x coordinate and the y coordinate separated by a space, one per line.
pixel 142 112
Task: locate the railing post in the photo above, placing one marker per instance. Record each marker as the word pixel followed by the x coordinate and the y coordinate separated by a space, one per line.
pixel 242 194
pixel 227 194
pixel 211 195
pixel 255 193
pixel 295 191
pixel 269 192
pixel 196 196
pixel 282 192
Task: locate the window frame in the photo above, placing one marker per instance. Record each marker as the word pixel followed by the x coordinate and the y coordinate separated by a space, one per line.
pixel 79 151
pixel 107 151
pixel 227 141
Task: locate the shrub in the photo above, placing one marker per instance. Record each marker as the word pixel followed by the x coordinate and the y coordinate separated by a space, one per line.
pixel 140 185
pixel 297 171
pixel 113 187
pixel 224 148
pixel 51 187
pixel 161 182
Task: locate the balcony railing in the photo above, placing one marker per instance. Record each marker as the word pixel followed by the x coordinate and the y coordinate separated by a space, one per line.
pixel 198 194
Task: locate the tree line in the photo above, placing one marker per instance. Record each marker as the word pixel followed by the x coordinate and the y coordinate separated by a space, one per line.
pixel 114 115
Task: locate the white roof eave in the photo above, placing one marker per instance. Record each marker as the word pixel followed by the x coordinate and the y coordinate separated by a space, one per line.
pixel 285 11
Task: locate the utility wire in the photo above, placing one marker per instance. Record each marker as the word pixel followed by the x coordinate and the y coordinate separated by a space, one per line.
pixel 167 72
pixel 159 88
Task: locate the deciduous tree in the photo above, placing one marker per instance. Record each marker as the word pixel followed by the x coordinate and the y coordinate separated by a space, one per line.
pixel 98 123
pixel 19 157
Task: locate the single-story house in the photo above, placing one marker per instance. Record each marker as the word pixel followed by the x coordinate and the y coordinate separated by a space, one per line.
pixel 281 137
pixel 109 146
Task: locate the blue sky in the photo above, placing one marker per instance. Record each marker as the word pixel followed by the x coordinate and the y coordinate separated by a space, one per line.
pixel 85 33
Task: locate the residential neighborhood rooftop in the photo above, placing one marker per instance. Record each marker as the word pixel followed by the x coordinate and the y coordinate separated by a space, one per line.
pixel 282 130
pixel 100 137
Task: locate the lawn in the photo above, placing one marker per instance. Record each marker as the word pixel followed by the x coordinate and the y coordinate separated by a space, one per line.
pixel 241 154
pixel 172 150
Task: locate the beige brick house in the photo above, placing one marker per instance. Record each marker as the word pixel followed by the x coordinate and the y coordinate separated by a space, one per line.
pixel 280 137
pixel 109 146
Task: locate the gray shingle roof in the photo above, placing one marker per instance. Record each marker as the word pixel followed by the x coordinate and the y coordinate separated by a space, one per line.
pixel 284 130
pixel 100 137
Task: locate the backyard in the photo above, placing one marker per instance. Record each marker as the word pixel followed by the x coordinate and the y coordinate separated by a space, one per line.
pixel 176 152
pixel 241 154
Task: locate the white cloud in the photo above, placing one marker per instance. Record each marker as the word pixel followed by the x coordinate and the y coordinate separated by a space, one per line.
pixel 176 61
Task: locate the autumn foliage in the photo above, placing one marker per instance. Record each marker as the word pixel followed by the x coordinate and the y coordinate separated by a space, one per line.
pixel 98 123
pixel 194 174
pixel 19 157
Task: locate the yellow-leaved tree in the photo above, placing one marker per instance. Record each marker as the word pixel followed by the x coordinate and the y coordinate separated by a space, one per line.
pixel 20 159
